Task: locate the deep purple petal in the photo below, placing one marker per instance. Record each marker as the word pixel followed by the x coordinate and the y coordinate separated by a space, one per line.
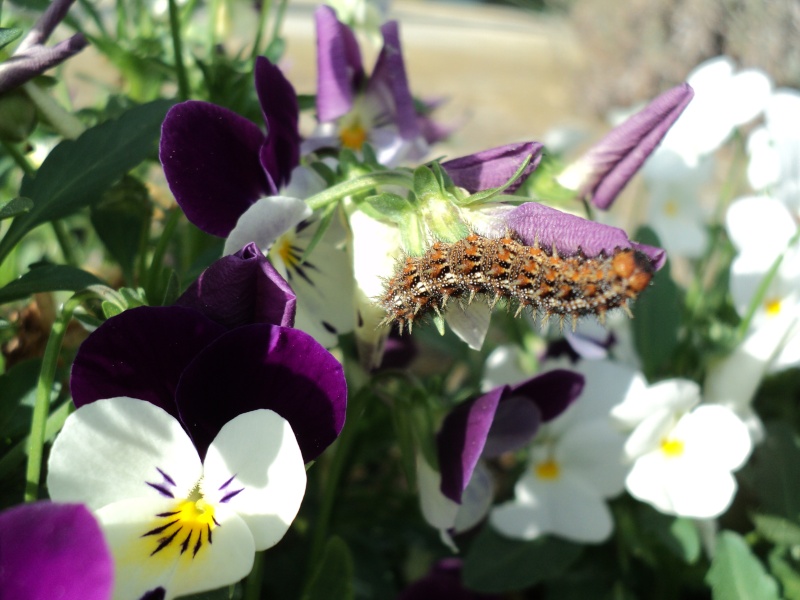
pixel 553 392
pixel 620 154
pixel 211 161
pixel 140 353
pixel 24 66
pixel 461 439
pixel 536 223
pixel 50 550
pixel 388 84
pixel 339 68
pixel 494 167
pixel 241 289
pixel 264 366
pixel 280 153
pixel 443 582
pixel 515 424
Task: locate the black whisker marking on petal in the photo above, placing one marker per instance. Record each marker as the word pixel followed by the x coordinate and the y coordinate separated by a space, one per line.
pixel 330 328
pixel 208 529
pixel 197 545
pixel 168 514
pixel 165 476
pixel 161 529
pixel 166 541
pixel 227 483
pixel 302 273
pixel 185 543
pixel 160 489
pixel 215 521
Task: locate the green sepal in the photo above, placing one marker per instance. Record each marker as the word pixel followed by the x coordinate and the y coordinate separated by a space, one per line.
pixel 389 206
pixel 543 183
pixel 438 321
pixel 437 206
pixel 491 194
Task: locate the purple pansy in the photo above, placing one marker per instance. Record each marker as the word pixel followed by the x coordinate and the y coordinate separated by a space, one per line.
pixel 504 419
pixel 352 108
pixel 443 581
pixel 218 164
pixel 494 167
pixel 227 354
pixel 49 549
pixel 32 58
pixel 606 168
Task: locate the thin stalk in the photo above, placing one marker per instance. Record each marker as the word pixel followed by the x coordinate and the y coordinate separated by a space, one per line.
pixel 161 249
pixel 177 45
pixel 93 15
pixel 68 249
pixel 278 23
pixel 62 121
pixel 262 21
pixel 19 158
pixel 360 184
pixel 44 390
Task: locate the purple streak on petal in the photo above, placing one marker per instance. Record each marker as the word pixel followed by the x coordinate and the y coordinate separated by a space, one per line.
pixel 24 66
pixel 241 289
pixel 140 353
pixel 211 162
pixel 166 477
pixel 160 489
pixel 388 84
pixel 620 154
pixel 537 223
pixel 48 548
pixel 461 440
pixel 280 153
pixel 340 72
pixel 230 495
pixel 264 366
pixel 443 582
pixel 494 167
pixel 227 483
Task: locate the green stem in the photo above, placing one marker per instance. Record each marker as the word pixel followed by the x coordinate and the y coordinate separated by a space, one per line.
pixel 262 21
pixel 355 408
pixel 17 453
pixel 65 242
pixel 19 158
pixel 177 45
pixel 44 390
pixel 161 249
pixel 276 26
pixel 252 585
pixel 360 184
pixel 62 121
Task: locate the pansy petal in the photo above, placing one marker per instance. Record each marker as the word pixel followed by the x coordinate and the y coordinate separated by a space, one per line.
pixel 494 167
pixel 240 289
pixel 254 466
pixel 389 85
pixel 476 500
pixel 339 68
pixel 539 224
pixel 210 159
pixel 280 153
pixel 461 439
pixel 178 570
pixel 728 448
pixel 471 324
pixel 47 546
pixel 122 357
pixel 553 392
pixel 121 448
pixel 279 369
pixel 437 509
pixel 515 423
pixel 265 221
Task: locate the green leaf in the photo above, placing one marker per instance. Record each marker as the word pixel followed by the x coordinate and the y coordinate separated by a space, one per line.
pixel 333 577
pixel 679 535
pixel 15 207
pixel 771 473
pixel 496 564
pixel 778 530
pixel 17 389
pixel 786 574
pixel 77 172
pixel 120 219
pixel 736 573
pixel 8 35
pixel 47 278
pixel 656 316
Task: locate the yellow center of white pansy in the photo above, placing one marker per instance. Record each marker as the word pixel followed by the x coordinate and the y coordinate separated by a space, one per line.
pixel 548 470
pixel 672 447
pixel 184 531
pixel 353 136
pixel 773 307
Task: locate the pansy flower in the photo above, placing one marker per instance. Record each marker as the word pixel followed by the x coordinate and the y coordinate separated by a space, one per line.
pixel 354 109
pixel 503 420
pixel 50 550
pixel 443 581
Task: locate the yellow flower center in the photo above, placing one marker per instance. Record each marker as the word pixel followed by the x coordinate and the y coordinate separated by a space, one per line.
pixel 773 307
pixel 671 447
pixel 353 136
pixel 186 530
pixel 671 208
pixel 288 254
pixel 548 470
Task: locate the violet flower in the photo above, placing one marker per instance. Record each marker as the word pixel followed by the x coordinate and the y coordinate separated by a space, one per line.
pixel 354 109
pixel 49 549
pixel 606 168
pixel 494 167
pixel 502 420
pixel 32 58
pixel 443 581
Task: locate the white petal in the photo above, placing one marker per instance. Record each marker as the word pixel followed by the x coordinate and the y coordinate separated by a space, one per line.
pixel 715 435
pixel 591 452
pixel 111 449
pixel 764 166
pixel 760 224
pixel 502 367
pixel 265 221
pixel 226 560
pixel 304 182
pixel 476 500
pixel 673 395
pixel 649 434
pixel 748 95
pixel 257 453
pixel 437 509
pixel 471 323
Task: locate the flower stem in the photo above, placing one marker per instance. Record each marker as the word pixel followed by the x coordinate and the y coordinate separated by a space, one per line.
pixel 177 45
pixel 360 184
pixel 158 255
pixel 44 390
pixel 262 21
pixel 62 121
pixel 16 454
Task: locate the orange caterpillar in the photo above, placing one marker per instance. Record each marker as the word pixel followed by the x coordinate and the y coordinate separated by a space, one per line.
pixel 531 277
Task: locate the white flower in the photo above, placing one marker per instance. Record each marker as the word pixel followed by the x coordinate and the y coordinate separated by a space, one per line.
pixel 683 454
pixel 575 465
pixel 173 521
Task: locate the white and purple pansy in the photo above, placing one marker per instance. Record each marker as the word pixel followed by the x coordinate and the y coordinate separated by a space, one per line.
pixel 504 419
pixel 354 109
pixel 193 428
pixel 49 548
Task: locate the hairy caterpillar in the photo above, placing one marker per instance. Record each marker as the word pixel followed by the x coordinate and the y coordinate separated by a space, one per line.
pixel 532 277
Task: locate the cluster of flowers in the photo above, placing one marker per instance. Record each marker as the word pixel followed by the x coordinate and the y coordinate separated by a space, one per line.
pixel 195 421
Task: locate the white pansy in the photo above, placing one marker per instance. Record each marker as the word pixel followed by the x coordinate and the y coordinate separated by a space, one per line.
pixel 173 521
